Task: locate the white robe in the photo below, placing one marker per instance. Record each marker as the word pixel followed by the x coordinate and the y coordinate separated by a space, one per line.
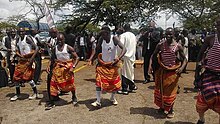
pixel 128 39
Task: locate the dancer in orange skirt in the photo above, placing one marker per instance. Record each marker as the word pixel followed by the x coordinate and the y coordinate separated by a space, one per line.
pixel 62 74
pixel 107 76
pixel 24 70
pixel 168 72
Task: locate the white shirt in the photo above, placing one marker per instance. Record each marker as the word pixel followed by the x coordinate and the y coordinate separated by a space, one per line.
pixel 108 50
pixel 24 47
pixel 81 41
pixel 62 55
pixel 128 39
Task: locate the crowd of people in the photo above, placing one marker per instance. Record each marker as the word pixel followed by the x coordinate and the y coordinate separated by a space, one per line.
pixel 165 57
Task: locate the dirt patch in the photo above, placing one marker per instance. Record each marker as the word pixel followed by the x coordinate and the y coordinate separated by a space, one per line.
pixel 135 108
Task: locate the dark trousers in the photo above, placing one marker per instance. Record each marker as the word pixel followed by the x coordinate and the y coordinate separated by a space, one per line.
pixel 37 68
pixel 83 52
pixel 146 64
pixel 193 51
pixel 126 83
pixel 4 77
pixel 11 67
pixel 49 76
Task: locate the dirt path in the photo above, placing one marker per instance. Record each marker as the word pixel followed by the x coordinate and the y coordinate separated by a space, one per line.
pixel 135 108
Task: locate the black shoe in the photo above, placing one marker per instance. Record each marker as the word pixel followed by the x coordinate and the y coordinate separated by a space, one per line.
pixel 122 92
pixel 50 106
pixel 200 122
pixel 74 100
pixel 134 88
pixel 146 81
pixel 11 84
pixel 22 84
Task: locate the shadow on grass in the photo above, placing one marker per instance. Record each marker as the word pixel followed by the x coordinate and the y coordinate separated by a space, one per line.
pixel 147 111
pixel 151 87
pixel 45 98
pixel 59 102
pixel 105 103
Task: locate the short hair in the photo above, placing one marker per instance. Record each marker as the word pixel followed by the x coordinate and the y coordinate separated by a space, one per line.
pixel 105 28
pixel 53 30
pixel 127 27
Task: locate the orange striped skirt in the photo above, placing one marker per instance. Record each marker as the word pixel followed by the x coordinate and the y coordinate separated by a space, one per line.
pixel 107 76
pixel 166 87
pixel 62 78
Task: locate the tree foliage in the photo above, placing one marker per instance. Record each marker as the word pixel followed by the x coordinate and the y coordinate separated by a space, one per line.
pixel 110 12
pixel 194 14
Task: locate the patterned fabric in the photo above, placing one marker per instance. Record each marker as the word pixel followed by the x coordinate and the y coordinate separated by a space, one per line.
pixel 168 55
pixel 62 78
pixel 107 76
pixel 209 96
pixel 166 86
pixel 213 55
pixel 23 72
pixel 202 105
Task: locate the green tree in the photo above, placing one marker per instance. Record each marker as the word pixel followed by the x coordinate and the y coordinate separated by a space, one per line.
pixel 194 14
pixel 111 12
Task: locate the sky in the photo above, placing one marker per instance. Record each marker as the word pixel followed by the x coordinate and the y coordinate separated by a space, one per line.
pixel 17 7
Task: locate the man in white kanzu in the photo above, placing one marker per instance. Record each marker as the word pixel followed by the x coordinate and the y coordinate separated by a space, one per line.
pixel 128 39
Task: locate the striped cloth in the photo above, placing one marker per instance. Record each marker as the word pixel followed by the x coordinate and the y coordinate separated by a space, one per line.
pixel 166 86
pixel 209 96
pixel 168 55
pixel 107 76
pixel 213 55
pixel 62 78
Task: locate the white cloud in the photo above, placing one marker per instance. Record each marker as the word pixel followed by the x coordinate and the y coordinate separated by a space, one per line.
pixel 12 8
pixel 4 13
